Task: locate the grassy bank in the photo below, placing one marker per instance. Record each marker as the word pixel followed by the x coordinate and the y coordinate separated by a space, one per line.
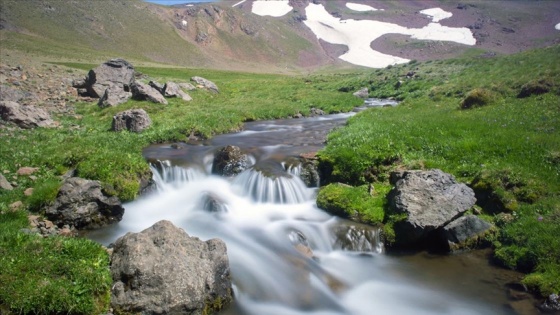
pixel 506 147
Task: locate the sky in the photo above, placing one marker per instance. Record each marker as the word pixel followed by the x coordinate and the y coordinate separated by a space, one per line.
pixel 171 2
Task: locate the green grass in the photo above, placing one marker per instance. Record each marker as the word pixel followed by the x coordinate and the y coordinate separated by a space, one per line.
pixel 52 275
pixel 507 150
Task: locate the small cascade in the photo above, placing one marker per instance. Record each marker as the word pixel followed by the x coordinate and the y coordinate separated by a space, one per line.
pixel 283 189
pixel 165 174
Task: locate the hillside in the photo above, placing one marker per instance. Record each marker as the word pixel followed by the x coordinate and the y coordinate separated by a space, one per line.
pixel 223 35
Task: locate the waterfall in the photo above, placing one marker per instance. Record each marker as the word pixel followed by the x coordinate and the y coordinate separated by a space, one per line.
pixel 281 189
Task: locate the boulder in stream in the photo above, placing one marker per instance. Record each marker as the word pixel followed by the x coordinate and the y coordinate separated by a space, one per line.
pixel 465 232
pixel 230 161
pixel 163 270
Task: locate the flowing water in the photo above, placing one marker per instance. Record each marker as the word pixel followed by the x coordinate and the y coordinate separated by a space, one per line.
pixel 286 255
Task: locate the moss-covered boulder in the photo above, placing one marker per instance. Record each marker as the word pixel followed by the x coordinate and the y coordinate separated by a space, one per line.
pixel 354 203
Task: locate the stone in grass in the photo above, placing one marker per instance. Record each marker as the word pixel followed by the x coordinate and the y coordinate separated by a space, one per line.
pixel 430 199
pixel 144 92
pixel 84 204
pixel 134 120
pixel 25 117
pixel 206 84
pixel 172 89
pixel 114 96
pixel 4 184
pixel 163 270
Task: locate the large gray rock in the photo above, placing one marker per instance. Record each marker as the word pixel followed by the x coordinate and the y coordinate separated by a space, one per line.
pixel 464 231
pixel 206 84
pixel 230 161
pixel 113 96
pixel 25 116
pixel 144 92
pixel 172 89
pixel 430 199
pixel 4 184
pixel 135 120
pixel 362 93
pixel 162 270
pixel 116 72
pixel 84 204
pixel 8 93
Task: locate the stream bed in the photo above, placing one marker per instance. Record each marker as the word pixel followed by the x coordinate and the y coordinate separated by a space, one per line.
pixel 345 268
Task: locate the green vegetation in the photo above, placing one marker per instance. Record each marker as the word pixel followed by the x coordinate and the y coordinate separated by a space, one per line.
pixel 364 204
pixel 507 150
pixel 52 275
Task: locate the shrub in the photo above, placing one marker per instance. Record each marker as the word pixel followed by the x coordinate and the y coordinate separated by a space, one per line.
pixel 535 88
pixel 477 98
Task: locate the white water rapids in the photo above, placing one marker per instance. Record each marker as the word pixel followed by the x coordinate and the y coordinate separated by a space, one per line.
pixel 264 221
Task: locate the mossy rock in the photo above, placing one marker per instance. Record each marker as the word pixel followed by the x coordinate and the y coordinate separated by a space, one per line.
pixel 354 203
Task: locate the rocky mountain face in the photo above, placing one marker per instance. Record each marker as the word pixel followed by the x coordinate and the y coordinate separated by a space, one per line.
pixel 229 35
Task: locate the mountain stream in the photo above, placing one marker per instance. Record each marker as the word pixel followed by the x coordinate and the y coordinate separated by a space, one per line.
pixel 287 256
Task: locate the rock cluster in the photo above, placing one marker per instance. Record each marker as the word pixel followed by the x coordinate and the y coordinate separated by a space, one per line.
pixel 162 270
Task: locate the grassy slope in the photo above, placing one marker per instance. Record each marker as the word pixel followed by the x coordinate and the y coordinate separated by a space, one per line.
pixel 508 148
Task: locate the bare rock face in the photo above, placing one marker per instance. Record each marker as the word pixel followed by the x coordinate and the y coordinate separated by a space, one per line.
pixel 113 96
pixel 430 199
pixel 26 117
pixel 144 92
pixel 84 204
pixel 162 270
pixel 206 84
pixel 116 72
pixel 230 161
pixel 135 120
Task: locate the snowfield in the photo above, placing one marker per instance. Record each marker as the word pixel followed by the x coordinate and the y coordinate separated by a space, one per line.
pixel 360 7
pixel 358 35
pixel 275 8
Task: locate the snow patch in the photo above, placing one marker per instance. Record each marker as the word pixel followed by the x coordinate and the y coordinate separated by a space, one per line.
pixel 184 23
pixel 360 7
pixel 275 8
pixel 557 26
pixel 358 35
pixel 437 14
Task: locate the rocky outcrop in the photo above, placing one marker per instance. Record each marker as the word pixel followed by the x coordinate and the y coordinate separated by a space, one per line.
pixel 430 200
pixel 117 72
pixel 207 84
pixel 135 120
pixel 362 93
pixel 162 270
pixel 230 161
pixel 84 204
pixel 144 92
pixel 114 96
pixel 464 232
pixel 172 89
pixel 26 117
